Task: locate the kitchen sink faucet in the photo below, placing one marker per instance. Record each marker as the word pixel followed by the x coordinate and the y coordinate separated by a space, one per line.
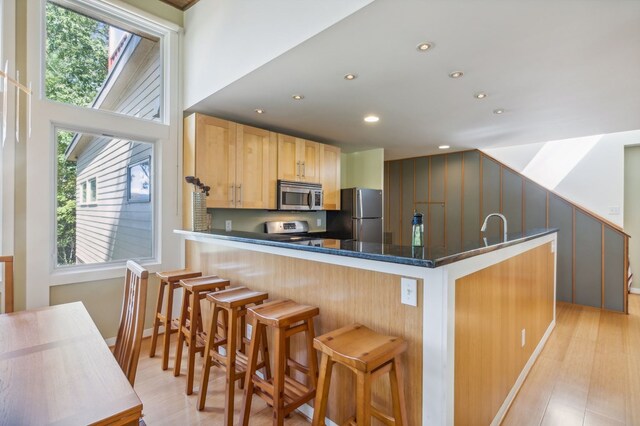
pixel 504 224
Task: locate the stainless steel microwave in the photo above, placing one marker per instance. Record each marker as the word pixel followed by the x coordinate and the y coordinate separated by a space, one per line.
pixel 299 195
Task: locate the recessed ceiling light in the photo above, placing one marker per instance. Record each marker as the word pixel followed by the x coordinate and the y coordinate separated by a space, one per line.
pixel 444 147
pixel 480 95
pixel 423 47
pixel 259 111
pixel 498 111
pixel 350 77
pixel 456 74
pixel 298 97
pixel 372 119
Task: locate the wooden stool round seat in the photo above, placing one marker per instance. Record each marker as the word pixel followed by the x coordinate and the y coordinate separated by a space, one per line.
pixel 283 392
pixel 369 355
pixel 232 302
pixel 169 282
pixel 190 327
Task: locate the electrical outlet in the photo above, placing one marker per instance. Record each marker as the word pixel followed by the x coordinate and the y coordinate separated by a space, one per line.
pixel 227 225
pixel 614 210
pixel 318 222
pixel 409 291
pixel 524 337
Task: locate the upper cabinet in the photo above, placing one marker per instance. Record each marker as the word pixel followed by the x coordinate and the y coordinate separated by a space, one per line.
pixel 298 159
pixel 330 176
pixel 238 162
pixel 242 164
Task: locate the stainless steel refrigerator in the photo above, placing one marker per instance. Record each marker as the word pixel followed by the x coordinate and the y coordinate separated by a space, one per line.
pixel 360 217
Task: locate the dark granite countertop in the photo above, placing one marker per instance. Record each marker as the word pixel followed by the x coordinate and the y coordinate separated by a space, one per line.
pixel 429 257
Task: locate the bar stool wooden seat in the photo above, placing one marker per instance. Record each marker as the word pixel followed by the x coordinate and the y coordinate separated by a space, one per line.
pixel 234 302
pixel 169 281
pixel 190 324
pixel 282 392
pixel 369 355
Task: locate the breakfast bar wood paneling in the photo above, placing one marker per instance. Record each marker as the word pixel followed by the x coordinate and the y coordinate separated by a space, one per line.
pixel 493 305
pixel 344 295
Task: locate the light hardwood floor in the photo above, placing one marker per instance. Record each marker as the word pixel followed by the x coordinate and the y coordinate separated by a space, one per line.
pixel 587 374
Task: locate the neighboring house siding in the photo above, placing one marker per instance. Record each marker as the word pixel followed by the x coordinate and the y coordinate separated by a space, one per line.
pixel 112 228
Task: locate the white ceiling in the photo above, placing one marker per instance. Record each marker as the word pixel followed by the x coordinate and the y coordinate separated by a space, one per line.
pixel 559 68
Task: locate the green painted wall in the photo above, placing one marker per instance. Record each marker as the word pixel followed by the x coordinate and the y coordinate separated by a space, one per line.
pixel 364 169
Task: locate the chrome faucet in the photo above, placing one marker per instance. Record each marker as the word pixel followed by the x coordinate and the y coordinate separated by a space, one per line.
pixel 504 224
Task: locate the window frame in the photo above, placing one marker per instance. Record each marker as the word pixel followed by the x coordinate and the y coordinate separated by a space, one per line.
pixel 152 186
pixel 41 165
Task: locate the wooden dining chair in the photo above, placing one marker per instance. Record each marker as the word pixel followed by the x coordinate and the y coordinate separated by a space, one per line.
pixel 129 339
pixel 8 283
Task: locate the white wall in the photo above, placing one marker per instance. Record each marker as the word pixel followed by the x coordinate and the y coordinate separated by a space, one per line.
pixel 226 39
pixel 596 181
pixel 632 208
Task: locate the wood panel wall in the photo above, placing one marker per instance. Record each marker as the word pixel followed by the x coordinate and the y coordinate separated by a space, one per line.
pixel 344 295
pixel 456 191
pixel 493 306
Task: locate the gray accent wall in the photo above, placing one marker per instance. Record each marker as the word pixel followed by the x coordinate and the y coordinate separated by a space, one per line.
pixel 456 191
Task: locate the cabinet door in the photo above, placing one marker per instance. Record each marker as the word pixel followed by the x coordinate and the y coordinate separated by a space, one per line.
pixel 310 160
pixel 330 176
pixel 215 159
pixel 288 158
pixel 253 166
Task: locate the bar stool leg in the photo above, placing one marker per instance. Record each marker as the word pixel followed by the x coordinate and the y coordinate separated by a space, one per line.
pixel 322 394
pixel 166 344
pixel 183 322
pixel 280 366
pixel 156 321
pixel 397 393
pixel 265 353
pixel 363 399
pixel 312 354
pixel 206 365
pixel 257 331
pixel 232 336
pixel 193 327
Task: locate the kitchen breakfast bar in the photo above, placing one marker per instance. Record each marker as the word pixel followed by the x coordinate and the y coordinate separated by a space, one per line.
pixel 480 319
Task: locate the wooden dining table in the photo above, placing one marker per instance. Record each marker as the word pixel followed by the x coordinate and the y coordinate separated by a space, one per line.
pixel 56 369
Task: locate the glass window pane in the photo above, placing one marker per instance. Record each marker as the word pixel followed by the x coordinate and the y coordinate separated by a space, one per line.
pixel 94 64
pixel 102 225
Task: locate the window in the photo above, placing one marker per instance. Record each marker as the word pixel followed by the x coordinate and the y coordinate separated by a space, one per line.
pixel 139 182
pixel 100 65
pixel 120 226
pixel 66 129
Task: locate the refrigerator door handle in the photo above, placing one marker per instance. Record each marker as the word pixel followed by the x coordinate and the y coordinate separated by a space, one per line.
pixel 359 207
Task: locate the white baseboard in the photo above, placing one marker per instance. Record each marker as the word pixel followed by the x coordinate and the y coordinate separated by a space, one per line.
pixel 146 333
pixel 523 375
pixel 307 411
pixel 634 290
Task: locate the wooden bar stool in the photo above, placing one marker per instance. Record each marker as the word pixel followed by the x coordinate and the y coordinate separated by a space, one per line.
pixel 233 301
pixel 190 325
pixel 282 392
pixel 369 355
pixel 170 281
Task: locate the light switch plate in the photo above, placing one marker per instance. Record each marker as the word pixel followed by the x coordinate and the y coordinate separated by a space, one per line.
pixel 409 291
pixel 227 225
pixel 318 222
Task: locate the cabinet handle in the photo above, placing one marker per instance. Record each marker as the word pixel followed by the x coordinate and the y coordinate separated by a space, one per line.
pixel 297 169
pixel 232 196
pixel 304 169
pixel 239 195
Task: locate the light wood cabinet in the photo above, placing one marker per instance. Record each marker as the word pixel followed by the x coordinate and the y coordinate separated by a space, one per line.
pixel 298 159
pixel 238 162
pixel 330 176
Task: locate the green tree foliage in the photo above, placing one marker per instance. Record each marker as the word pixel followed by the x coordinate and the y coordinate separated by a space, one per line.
pixel 77 66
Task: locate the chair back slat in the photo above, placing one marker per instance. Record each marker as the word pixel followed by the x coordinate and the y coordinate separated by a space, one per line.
pixel 8 283
pixel 129 339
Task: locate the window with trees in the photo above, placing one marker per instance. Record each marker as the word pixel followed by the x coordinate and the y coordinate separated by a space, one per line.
pixel 93 63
